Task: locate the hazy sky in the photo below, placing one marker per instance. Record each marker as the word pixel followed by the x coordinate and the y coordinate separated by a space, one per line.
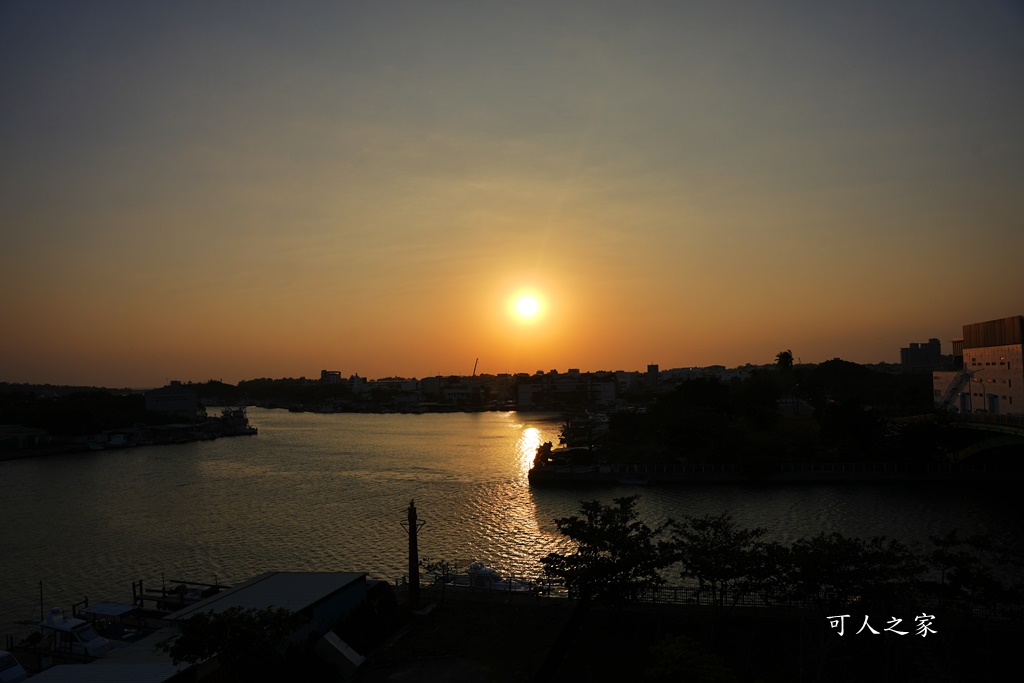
pixel 232 190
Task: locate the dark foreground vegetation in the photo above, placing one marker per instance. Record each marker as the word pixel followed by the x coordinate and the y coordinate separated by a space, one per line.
pixel 835 411
pixel 471 637
pixel 619 559
pixel 827 608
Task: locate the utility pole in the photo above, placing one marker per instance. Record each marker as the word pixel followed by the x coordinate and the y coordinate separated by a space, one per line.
pixel 412 527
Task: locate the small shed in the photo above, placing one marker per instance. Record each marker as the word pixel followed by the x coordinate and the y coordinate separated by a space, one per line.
pixel 324 598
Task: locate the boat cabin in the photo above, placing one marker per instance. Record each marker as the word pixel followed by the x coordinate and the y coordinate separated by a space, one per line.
pixel 68 635
pixel 10 670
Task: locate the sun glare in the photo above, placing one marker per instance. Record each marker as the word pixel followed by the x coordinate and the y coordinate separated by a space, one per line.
pixel 526 306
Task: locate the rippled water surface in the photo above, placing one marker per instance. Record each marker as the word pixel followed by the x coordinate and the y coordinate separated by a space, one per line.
pixel 328 493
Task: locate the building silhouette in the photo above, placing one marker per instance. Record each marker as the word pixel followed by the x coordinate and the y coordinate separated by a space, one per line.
pixel 922 357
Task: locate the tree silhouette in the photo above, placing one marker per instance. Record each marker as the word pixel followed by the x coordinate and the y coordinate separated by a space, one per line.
pixel 832 570
pixel 617 556
pixel 724 557
pixel 966 565
pixel 784 360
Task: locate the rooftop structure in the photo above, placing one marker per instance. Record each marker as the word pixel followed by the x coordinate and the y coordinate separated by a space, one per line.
pixel 324 597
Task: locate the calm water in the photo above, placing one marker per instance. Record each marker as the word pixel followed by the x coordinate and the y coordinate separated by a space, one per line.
pixel 328 493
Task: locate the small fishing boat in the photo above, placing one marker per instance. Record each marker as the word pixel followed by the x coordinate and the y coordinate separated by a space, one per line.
pixel 66 635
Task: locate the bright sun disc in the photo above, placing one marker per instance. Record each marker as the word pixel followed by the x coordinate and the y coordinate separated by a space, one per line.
pixel 526 307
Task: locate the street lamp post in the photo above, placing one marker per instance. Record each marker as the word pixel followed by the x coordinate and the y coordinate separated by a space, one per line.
pixel 984 396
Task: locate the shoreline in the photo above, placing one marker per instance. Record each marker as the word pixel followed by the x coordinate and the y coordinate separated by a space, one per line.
pixel 72 448
pixel 779 473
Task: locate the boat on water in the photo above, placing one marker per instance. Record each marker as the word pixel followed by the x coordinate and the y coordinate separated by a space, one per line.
pixel 70 636
pixel 111 441
pixel 235 422
pixel 480 576
pixel 574 464
pixel 93 631
pixel 585 429
pixel 11 671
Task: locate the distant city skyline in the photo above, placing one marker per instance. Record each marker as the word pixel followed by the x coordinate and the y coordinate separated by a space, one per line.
pixel 194 190
pixel 344 376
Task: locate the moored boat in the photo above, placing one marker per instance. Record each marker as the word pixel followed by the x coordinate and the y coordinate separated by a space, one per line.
pixel 480 576
pixel 71 637
pixel 11 671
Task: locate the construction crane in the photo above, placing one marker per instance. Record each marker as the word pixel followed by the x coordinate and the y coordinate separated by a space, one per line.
pixel 474 396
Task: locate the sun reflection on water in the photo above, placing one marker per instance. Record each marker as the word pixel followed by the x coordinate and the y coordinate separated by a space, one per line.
pixel 526 447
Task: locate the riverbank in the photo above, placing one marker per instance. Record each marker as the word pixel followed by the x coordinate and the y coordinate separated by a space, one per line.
pixel 817 473
pixel 232 422
pixel 79 447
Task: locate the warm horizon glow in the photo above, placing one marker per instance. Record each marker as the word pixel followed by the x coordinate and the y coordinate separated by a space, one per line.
pixel 193 192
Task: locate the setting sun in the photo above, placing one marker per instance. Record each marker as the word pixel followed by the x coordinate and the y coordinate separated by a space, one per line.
pixel 526 306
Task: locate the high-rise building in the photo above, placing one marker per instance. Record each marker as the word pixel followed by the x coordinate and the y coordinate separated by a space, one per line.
pixel 922 357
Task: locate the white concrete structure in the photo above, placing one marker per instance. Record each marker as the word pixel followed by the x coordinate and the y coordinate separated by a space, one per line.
pixel 991 381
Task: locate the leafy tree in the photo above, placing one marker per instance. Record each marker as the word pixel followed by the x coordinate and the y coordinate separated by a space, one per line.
pixel 617 556
pixel 442 570
pixel 757 399
pixel 692 416
pixel 718 553
pixel 784 360
pixel 833 570
pixel 851 428
pixel 966 566
pixel 245 641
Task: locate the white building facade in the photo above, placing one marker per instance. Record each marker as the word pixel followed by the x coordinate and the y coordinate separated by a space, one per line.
pixel 991 381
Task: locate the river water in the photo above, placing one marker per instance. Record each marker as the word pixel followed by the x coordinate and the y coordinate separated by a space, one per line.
pixel 328 492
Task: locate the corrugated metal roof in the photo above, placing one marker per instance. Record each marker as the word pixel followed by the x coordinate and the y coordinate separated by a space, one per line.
pixel 98 672
pixel 294 591
pixel 1002 332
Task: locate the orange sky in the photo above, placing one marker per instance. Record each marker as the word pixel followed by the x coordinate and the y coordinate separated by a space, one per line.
pixel 191 191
